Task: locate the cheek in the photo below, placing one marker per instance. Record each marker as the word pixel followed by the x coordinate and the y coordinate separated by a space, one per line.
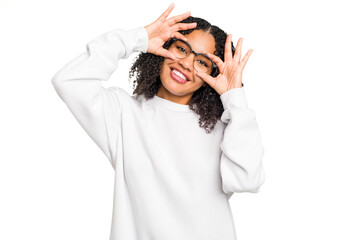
pixel 198 79
pixel 164 66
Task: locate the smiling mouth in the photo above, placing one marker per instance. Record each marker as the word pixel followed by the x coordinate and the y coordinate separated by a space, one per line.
pixel 178 75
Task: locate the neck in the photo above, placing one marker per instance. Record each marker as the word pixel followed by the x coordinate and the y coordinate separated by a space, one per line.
pixel 164 93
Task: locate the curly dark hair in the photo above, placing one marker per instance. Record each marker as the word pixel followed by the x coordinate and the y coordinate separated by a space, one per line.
pixel 205 101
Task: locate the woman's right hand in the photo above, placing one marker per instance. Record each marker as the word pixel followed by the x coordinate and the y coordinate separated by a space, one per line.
pixel 161 30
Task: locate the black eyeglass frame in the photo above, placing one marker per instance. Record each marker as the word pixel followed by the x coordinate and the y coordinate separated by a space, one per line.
pixel 213 66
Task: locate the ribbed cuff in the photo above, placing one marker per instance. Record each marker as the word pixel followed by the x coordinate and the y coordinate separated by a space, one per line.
pixel 234 97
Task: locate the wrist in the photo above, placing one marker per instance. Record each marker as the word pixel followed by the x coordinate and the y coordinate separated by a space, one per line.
pixel 149 36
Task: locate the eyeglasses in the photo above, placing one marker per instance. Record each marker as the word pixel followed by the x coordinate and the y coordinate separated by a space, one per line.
pixel 182 49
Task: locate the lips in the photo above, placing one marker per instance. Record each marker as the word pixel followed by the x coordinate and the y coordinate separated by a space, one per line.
pixel 186 76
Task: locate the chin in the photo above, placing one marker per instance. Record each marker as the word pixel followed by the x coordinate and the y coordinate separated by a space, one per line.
pixel 172 87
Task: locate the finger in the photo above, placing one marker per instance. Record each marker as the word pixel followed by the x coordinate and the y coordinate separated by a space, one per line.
pixel 219 63
pixel 245 59
pixel 167 12
pixel 228 55
pixel 183 26
pixel 165 53
pixel 178 18
pixel 237 55
pixel 179 35
pixel 207 78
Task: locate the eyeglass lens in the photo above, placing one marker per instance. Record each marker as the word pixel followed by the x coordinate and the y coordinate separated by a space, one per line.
pixel 181 50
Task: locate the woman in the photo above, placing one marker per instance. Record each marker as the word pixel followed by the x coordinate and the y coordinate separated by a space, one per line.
pixel 173 180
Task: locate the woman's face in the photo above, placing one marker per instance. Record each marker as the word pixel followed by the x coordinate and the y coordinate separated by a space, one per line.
pixel 173 90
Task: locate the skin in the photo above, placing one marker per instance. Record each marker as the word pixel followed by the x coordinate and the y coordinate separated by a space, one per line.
pixel 231 68
pixel 181 93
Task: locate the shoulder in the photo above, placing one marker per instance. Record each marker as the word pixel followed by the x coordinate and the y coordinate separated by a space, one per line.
pixel 124 97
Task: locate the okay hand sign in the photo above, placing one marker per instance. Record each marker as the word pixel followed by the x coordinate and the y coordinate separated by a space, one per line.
pixel 230 70
pixel 162 29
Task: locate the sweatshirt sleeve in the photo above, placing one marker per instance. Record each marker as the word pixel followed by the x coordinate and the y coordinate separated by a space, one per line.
pixel 241 165
pixel 78 84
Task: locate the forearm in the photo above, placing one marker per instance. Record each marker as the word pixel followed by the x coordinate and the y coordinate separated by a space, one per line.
pixel 242 150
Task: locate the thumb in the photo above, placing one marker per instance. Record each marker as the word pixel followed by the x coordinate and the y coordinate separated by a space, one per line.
pixel 206 78
pixel 167 54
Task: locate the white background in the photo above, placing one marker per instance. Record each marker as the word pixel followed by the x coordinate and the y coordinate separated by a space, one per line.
pixel 302 81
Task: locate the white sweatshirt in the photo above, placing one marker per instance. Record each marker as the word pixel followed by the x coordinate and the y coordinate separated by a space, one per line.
pixel 173 180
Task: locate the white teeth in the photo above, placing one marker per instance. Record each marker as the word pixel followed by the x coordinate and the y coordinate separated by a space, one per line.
pixel 179 74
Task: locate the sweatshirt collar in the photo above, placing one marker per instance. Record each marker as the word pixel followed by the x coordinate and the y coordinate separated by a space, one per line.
pixel 169 104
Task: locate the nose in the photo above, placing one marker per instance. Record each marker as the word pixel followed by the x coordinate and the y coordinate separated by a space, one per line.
pixel 188 61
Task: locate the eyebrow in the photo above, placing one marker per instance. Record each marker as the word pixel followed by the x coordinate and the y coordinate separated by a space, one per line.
pixel 192 47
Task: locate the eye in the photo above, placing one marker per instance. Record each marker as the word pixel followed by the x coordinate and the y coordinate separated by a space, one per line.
pixel 203 63
pixel 181 49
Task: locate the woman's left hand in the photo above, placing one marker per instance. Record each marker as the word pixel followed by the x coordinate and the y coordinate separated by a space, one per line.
pixel 231 69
